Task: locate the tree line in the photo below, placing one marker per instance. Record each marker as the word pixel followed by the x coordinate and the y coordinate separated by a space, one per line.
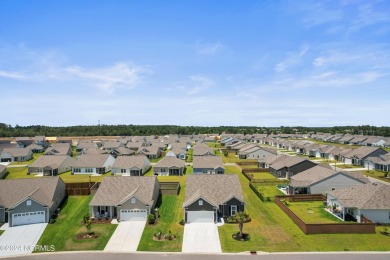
pixel 7 130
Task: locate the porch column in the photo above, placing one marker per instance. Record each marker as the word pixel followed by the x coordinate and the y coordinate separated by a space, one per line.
pixel 111 212
pixel 343 214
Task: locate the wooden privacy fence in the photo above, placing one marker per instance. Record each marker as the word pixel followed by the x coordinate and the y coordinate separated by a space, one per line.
pixel 251 170
pixel 331 228
pixel 169 188
pixel 82 188
pixel 246 163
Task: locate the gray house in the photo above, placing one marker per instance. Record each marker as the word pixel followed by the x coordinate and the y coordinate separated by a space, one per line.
pixel 30 201
pixel 210 196
pixel 257 152
pixel 208 165
pixel 131 165
pixel 168 166
pixel 51 165
pixel 125 198
pixel 16 155
pixel 320 180
pixel 359 155
pixel 59 149
pixel 287 166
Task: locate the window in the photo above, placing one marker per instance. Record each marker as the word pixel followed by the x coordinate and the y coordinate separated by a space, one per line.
pixel 163 169
pixel 200 202
pixel 28 202
pixel 123 170
pixel 40 170
pixel 76 170
pixel 132 200
pixel 89 170
pixel 233 210
pixel 204 170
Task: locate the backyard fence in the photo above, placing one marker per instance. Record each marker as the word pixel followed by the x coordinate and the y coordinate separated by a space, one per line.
pixel 169 188
pixel 331 228
pixel 82 188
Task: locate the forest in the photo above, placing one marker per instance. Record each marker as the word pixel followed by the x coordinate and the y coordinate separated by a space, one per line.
pixel 7 130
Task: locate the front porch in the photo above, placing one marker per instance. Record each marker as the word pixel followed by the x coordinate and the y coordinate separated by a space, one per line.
pixel 342 213
pixel 103 212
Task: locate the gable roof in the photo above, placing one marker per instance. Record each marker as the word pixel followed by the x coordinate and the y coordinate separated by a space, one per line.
pixel 288 161
pixel 39 189
pixel 114 190
pixel 50 160
pixel 17 152
pixel 207 162
pixel 367 196
pixel 89 160
pixel 216 189
pixel 170 161
pixel 137 161
pixel 362 152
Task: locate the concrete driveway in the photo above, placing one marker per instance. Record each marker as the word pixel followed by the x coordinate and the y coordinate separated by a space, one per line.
pixel 126 237
pixel 20 240
pixel 201 238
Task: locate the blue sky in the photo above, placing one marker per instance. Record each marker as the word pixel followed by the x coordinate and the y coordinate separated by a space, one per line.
pixel 205 63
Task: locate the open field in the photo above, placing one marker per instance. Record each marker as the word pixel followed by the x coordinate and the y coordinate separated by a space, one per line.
pixel 312 212
pixel 62 234
pixel 376 174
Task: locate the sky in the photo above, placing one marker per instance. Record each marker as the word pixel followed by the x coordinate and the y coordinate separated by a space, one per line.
pixel 201 63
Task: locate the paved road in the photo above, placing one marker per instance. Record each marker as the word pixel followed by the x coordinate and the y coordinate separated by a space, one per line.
pixel 20 240
pixel 126 237
pixel 181 256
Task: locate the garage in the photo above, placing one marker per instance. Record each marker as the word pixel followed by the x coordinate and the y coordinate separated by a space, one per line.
pixel 133 214
pixel 28 218
pixel 6 159
pixel 200 217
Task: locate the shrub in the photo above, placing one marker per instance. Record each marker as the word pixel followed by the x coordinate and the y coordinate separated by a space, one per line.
pixel 151 219
pixel 182 222
pixel 85 218
pixel 52 221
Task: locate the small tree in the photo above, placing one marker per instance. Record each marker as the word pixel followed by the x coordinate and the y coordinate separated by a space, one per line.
pixel 88 225
pixel 240 218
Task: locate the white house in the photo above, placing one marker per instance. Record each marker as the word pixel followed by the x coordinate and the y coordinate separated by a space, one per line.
pixel 136 165
pixel 93 164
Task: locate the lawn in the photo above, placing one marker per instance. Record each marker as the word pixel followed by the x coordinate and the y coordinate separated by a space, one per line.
pixel 269 191
pixel 263 176
pixel 347 166
pixel 35 157
pixel 62 233
pixel 376 174
pixel 171 212
pixel 18 173
pixel 313 212
pixel 214 145
pixel 67 177
pixel 189 155
pixel 273 231
pixel 232 158
pixel 1 232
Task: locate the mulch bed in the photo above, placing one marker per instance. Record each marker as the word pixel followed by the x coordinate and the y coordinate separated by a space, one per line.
pixel 245 237
pixel 87 236
pixel 162 239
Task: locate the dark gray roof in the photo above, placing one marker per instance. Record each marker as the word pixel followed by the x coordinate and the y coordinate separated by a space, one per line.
pixel 214 188
pixel 115 190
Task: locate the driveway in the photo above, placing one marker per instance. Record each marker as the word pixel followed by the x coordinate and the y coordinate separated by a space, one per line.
pixel 20 240
pixel 201 238
pixel 126 237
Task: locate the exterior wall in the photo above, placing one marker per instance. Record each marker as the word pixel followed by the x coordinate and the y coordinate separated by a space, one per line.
pixel 196 207
pixel 83 170
pixel 377 215
pixel 335 182
pixel 109 162
pixel 22 208
pixel 2 173
pixel 157 170
pixel 225 209
pixel 2 215
pixel 59 195
pixel 128 205
pixel 260 154
pixel 300 167
pixel 200 170
pixel 6 156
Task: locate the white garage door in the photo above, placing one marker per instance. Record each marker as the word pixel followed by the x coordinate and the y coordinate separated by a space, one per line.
pixel 28 218
pixel 200 216
pixel 134 214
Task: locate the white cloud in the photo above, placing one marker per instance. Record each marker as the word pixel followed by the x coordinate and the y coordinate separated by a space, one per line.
pixel 209 48
pixel 292 58
pixel 12 75
pixel 195 84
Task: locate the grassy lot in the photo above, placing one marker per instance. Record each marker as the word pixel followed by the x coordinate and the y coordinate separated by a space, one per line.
pixel 62 233
pixel 313 212
pixel 263 176
pixel 217 152
pixel 214 144
pixel 35 157
pixel 347 166
pixel 376 174
pixel 189 170
pixel 156 160
pixel 67 177
pixel 18 173
pixel 1 232
pixel 232 158
pixel 171 212
pixel 269 191
pixel 189 155
pixel 272 231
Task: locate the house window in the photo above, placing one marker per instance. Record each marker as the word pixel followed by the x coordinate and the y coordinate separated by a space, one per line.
pixel 40 170
pixel 123 170
pixel 163 169
pixel 132 200
pixel 200 202
pixel 233 210
pixel 204 170
pixel 28 202
pixel 76 170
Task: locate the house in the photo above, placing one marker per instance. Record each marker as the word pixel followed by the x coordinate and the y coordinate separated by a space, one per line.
pixel 93 164
pixel 374 141
pixel 257 152
pixel 136 165
pixel 23 142
pixel 59 149
pixel 371 201
pixel 359 155
pixel 3 171
pixel 85 145
pixel 152 152
pixel 208 165
pixel 36 148
pixel 320 180
pixel 168 166
pixel 178 153
pixel 40 140
pixel 125 198
pixel 30 201
pixel 381 163
pixel 111 145
pixel 122 151
pixel 51 165
pixel 202 149
pixel 16 155
pixel 286 166
pixel 211 196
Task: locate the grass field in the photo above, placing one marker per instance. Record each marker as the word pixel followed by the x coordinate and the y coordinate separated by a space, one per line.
pixel 347 166
pixel 313 212
pixel 262 176
pixel 232 158
pixel 35 157
pixel 171 212
pixel 1 232
pixel 214 144
pixel 62 234
pixel 273 231
pixel 17 173
pixel 376 174
pixel 269 191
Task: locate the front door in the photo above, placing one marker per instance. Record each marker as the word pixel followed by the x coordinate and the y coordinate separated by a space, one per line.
pixel 233 210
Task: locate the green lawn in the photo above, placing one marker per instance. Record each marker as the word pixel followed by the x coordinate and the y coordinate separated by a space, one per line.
pixel 263 176
pixel 376 174
pixel 269 191
pixel 347 166
pixel 18 173
pixel 312 212
pixel 189 170
pixel 214 144
pixel 1 232
pixel 155 160
pixel 273 231
pixel 232 158
pixel 67 177
pixel 35 157
pixel 189 155
pixel 63 232
pixel 171 212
